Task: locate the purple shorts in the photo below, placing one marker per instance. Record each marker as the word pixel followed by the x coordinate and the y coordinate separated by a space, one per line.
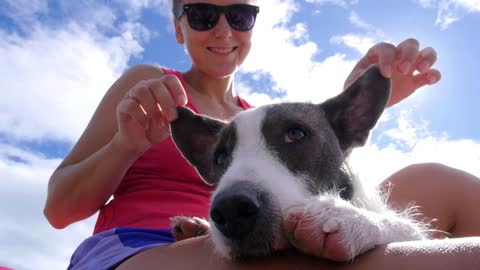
pixel 108 249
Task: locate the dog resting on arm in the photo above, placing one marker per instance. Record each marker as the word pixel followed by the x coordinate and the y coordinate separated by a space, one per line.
pixel 282 177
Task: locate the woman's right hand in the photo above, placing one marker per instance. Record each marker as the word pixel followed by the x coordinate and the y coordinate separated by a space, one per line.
pixel 118 133
pixel 144 113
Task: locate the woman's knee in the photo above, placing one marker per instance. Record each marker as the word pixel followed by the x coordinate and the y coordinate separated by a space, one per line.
pixel 442 193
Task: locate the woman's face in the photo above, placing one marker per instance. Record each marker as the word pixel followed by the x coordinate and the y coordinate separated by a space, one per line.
pixel 219 51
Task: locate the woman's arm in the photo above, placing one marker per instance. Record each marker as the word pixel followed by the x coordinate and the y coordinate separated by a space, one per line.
pixel 197 253
pixel 94 168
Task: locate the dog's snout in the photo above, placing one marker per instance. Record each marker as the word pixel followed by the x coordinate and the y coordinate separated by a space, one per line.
pixel 235 212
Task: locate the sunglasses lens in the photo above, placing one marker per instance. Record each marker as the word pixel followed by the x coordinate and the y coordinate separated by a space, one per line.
pixel 202 17
pixel 241 17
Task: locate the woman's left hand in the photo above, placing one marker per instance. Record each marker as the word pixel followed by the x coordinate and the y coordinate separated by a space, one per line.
pixel 400 63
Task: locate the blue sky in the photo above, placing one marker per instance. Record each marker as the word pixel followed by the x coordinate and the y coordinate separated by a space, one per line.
pixel 57 58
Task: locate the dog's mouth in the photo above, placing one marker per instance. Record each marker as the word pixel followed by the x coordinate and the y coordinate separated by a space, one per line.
pixel 251 250
pixel 257 245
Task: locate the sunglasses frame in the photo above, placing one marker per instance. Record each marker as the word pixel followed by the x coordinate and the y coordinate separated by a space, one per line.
pixel 219 9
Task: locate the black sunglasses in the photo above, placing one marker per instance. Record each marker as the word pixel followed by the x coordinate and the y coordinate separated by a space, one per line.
pixel 203 16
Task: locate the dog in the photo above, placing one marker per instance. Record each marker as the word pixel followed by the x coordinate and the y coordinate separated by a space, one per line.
pixel 283 167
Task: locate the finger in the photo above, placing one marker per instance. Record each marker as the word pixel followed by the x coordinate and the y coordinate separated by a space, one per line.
pixel 128 110
pixel 158 130
pixel 175 89
pixel 429 77
pixel 142 94
pixel 164 101
pixel 383 54
pixel 426 59
pixel 376 53
pixel 407 52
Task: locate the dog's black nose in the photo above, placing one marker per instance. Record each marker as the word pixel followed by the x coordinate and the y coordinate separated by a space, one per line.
pixel 235 212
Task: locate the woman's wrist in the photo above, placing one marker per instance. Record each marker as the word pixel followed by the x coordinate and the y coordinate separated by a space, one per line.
pixel 118 146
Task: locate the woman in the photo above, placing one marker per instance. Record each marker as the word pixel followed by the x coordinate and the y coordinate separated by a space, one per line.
pixel 126 151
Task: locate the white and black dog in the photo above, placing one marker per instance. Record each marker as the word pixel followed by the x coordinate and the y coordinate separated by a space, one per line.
pixel 271 161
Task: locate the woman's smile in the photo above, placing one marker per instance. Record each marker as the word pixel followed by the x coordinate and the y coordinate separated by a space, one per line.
pixel 222 50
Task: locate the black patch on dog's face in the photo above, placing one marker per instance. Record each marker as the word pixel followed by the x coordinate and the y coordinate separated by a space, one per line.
pixel 196 136
pixel 314 140
pixel 221 157
pixel 300 136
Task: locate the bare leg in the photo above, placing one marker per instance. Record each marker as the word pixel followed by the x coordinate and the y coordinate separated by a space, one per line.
pixel 448 196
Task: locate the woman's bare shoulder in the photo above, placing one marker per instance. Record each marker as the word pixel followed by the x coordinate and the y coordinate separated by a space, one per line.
pixel 142 72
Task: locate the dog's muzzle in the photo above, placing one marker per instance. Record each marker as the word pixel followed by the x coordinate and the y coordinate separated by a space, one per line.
pixel 235 211
pixel 247 218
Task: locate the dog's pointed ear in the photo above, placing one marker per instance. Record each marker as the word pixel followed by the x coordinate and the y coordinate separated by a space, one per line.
pixel 354 112
pixel 194 135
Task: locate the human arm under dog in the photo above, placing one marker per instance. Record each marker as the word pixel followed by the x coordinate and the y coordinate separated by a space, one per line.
pixel 460 253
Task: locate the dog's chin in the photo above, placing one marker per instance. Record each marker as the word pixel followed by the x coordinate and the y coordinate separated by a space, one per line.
pixel 243 254
pixel 281 242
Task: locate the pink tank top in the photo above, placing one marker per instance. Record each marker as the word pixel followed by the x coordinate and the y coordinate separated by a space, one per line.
pixel 159 184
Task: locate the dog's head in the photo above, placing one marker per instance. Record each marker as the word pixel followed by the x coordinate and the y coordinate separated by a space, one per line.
pixel 271 158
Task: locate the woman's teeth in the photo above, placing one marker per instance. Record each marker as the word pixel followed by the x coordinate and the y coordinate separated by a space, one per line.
pixel 222 50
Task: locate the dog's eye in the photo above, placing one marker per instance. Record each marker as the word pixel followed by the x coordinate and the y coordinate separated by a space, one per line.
pixel 294 134
pixel 220 158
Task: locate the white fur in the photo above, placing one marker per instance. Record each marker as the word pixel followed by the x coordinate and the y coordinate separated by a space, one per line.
pixel 364 223
pixel 360 229
pixel 252 162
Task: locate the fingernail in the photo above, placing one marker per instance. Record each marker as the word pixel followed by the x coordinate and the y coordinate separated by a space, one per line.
pixel 423 66
pixel 160 123
pixel 201 232
pixel 172 114
pixel 404 67
pixel 182 99
pixel 432 79
pixel 387 71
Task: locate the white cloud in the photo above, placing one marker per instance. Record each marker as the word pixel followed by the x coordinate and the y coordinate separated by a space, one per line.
pixel 407 132
pixel 54 75
pixel 295 72
pixel 360 43
pixel 450 11
pixel 27 239
pixel 23 12
pixel 411 143
pixel 358 22
pixel 56 78
pixel 133 8
pixel 342 3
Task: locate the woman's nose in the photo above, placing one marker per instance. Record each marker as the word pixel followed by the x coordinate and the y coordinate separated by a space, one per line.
pixel 223 29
